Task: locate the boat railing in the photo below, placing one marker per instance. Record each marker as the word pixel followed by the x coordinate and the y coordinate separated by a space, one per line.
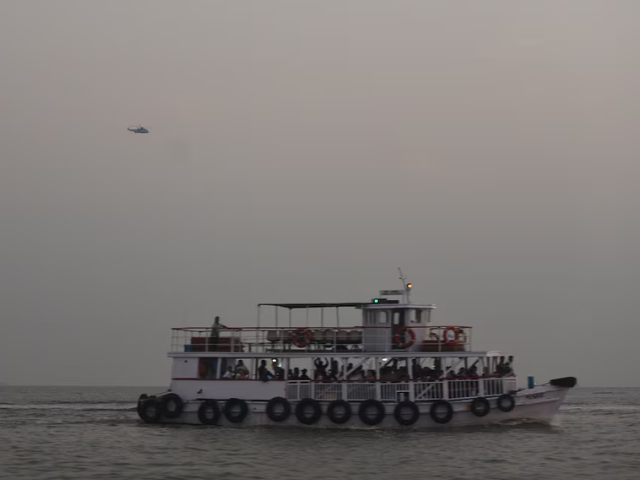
pixel 273 340
pixel 414 390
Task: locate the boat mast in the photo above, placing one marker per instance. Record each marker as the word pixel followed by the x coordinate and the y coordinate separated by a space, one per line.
pixel 406 287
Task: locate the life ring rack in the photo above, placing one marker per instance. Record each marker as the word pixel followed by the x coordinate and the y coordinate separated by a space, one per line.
pixel 295 337
pixel 456 335
pixel 398 338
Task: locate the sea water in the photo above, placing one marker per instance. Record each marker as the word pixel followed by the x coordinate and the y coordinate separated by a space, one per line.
pixel 85 432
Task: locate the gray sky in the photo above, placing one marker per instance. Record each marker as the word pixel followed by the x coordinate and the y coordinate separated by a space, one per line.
pixel 301 151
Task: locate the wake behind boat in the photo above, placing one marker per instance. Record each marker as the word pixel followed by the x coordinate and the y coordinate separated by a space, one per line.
pixel 395 370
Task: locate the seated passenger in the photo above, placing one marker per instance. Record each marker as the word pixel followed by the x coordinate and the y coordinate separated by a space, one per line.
pixel 295 375
pixel 427 373
pixel 242 372
pixel 304 375
pixel 371 376
pixel 229 375
pixel 403 374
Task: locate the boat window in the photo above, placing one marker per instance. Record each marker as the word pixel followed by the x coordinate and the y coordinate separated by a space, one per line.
pixel 382 317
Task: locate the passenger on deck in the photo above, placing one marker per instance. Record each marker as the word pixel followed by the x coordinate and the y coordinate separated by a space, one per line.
pixel 295 375
pixel 371 376
pixel 214 336
pixel 321 368
pixel 229 375
pixel 277 370
pixel 416 369
pixel 263 372
pixel 334 365
pixel 242 372
pixel 501 368
pixel 303 375
pixel 509 366
pixel 350 372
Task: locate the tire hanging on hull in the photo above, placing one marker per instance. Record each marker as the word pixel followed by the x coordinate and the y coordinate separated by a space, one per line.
pixel 285 409
pixel 506 403
pixel 334 416
pixel 209 412
pixel 363 412
pixel 480 407
pixel 171 405
pixel 301 411
pixel 236 410
pixel 149 409
pixel 436 414
pixel 403 420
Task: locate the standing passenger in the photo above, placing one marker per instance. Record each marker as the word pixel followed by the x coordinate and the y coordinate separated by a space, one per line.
pixel 214 336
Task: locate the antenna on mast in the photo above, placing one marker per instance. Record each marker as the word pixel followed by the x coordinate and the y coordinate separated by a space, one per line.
pixel 406 286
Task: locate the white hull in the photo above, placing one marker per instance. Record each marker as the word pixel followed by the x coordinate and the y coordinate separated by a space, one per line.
pixel 538 405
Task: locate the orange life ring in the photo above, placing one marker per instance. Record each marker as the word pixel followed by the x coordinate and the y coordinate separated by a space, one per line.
pixel 454 339
pixel 203 369
pixel 397 338
pixel 295 337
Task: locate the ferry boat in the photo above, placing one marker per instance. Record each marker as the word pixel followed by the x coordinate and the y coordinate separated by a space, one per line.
pixel 394 370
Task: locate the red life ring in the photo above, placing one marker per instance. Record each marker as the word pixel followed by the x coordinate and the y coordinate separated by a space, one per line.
pixel 454 339
pixel 397 338
pixel 295 337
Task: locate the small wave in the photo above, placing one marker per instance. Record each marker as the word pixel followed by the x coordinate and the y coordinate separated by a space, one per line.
pixel 82 402
pixel 87 407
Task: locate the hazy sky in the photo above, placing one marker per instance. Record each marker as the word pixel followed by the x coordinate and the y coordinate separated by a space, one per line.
pixel 301 151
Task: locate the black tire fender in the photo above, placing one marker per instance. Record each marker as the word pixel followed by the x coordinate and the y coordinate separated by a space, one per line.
pixel 436 417
pixel 141 399
pixel 281 416
pixel 365 418
pixel 415 413
pixel 206 407
pixel 506 402
pixel 240 415
pixel 149 410
pixel 171 405
pixel 334 417
pixel 302 406
pixel 480 407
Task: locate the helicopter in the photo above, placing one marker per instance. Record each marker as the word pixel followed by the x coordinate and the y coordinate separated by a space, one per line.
pixel 138 129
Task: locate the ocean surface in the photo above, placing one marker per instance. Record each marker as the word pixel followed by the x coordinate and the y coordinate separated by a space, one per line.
pixel 84 432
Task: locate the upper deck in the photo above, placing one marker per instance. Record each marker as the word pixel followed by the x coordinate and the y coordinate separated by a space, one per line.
pixel 314 341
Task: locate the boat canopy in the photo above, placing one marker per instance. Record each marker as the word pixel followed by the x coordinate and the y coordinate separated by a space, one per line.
pixel 292 306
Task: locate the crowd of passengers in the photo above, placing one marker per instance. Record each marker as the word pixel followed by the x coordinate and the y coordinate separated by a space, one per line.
pixel 330 371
